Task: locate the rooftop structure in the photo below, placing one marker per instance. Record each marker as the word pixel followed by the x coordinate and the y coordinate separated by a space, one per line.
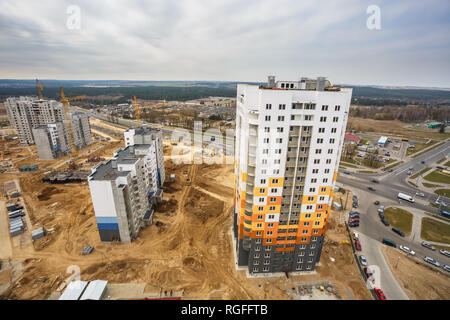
pixel 74 290
pixel 95 290
pixel 350 138
pixel 382 141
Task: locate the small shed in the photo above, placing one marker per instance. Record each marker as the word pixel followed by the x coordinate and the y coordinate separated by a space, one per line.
pixel 74 290
pixel 38 233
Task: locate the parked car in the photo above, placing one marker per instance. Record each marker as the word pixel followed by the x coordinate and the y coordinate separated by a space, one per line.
pixel 355 235
pixel 363 260
pixel 445 252
pixel 389 242
pixel 354 214
pixel 407 250
pixel 385 222
pixel 398 231
pixel 432 261
pixel 379 294
pixel 381 209
pixel 374 181
pixel 420 194
pixel 346 172
pixel 355 198
pixel 353 224
pixel 409 173
pixel 422 162
pixel 358 245
pixel 371 188
pixel 429 246
pixel 390 170
pixel 376 202
pixel 381 215
pixel 355 205
pixel 446 267
pixel 355 220
pixel 368 273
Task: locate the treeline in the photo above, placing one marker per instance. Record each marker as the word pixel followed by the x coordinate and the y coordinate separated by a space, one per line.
pixel 125 93
pixel 404 113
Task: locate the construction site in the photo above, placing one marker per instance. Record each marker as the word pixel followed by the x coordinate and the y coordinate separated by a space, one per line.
pixel 188 250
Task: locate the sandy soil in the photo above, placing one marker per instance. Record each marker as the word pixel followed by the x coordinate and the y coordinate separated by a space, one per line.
pixel 192 252
pixel 430 285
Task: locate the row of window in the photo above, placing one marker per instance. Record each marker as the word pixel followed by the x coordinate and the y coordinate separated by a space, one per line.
pixel 306 118
pixel 300 106
pixel 297 268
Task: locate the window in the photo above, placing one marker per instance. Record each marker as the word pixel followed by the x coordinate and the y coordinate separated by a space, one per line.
pixel 272 208
pixel 269 241
pixel 280 118
pixel 308 215
pixel 263 171
pixel 325 180
pixel 317 223
pixel 255 269
pixel 279 129
pixel 315 171
pixel 312 189
pixel 321 130
pixel 276 161
pixel 265 151
pixel 274 180
pixel 278 140
pixel 267 255
pixel 263 181
pixel 309 207
pixel 318 151
pixel 256 256
pixel 319 140
pixel 335 119
pixel 273 190
pixel 322 119
pixel 316 161
pixel 306 223
pixel 268 107
pixel 271 216
pixel 266 269
pixel 261 209
pixel 313 180
pixel 261 199
pixel 259 225
pixel 324 108
pixel 308 117
pixel 305 231
pixel 264 161
pixel 266 140
pixel 318 215
pixel 270 225
pixel 260 216
pixel 319 207
pixel 328 161
pixel 257 248
pixel 330 151
pixel 267 118
pixel 331 140
pixel 337 108
pixel 281 107
pixel 261 190
pixel 333 130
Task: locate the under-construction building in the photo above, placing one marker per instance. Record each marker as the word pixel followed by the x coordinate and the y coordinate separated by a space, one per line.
pixel 124 190
pixel 42 122
pixel 289 136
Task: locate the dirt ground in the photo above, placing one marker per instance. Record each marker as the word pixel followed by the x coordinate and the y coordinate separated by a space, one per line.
pixel 430 285
pixel 193 252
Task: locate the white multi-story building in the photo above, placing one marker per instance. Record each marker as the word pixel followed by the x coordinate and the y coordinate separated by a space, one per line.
pixel 125 188
pixel 51 140
pixel 289 136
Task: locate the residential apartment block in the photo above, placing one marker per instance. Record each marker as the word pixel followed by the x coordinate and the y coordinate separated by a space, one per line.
pixel 31 116
pixel 26 113
pixel 125 188
pixel 51 140
pixel 289 136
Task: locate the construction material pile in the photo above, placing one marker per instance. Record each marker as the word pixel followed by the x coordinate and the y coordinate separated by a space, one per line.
pixel 66 176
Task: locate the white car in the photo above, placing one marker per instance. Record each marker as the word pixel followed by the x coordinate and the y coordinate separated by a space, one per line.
pixel 420 194
pixel 407 250
pixel 355 235
pixel 432 261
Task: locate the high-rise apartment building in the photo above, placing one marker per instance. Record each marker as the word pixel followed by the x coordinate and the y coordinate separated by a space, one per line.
pixel 30 115
pixel 125 188
pixel 81 129
pixel 26 113
pixel 51 140
pixel 289 136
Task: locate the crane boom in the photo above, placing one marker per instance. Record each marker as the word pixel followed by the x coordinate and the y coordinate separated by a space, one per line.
pixel 66 105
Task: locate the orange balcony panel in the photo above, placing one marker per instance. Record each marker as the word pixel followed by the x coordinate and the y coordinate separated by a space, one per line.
pixel 284 249
pixel 273 182
pixel 276 202
pixel 326 191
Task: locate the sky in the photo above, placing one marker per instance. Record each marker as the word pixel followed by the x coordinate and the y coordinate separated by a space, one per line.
pixel 227 40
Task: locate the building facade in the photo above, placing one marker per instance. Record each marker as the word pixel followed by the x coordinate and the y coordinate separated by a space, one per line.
pixel 81 129
pixel 152 137
pixel 52 140
pixel 26 113
pixel 289 136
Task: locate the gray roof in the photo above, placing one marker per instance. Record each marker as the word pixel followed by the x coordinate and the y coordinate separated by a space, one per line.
pixel 74 290
pixel 94 290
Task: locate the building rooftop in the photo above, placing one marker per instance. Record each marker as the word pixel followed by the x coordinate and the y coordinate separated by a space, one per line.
pixel 144 130
pixel 94 290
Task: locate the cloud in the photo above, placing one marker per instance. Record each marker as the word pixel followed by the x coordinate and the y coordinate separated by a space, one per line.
pixel 226 40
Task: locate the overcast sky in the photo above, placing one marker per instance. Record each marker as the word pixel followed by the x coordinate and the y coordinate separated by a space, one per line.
pixel 227 40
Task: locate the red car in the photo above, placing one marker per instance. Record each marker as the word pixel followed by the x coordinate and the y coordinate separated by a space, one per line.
pixel 379 294
pixel 358 245
pixel 353 220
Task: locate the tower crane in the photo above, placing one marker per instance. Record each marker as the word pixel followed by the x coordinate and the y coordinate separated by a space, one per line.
pixel 39 88
pixel 137 112
pixel 66 104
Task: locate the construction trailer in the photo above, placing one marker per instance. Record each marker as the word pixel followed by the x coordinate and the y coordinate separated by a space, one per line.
pixel 95 290
pixel 74 290
pixel 38 233
pixel 382 141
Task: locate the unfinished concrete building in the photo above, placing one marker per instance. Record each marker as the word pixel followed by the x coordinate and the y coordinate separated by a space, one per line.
pixel 81 129
pixel 152 137
pixel 52 140
pixel 26 113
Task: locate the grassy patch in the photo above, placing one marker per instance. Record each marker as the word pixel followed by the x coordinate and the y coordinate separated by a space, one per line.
pixel 437 206
pixel 430 185
pixel 392 165
pixel 413 184
pixel 443 192
pixel 436 176
pixel 420 172
pixel 437 216
pixel 442 160
pixel 425 151
pixel 433 230
pixel 399 218
pixel 348 164
pixel 419 147
pixel 447 164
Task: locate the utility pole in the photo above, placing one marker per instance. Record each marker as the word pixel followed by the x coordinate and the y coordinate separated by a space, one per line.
pixel 397 262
